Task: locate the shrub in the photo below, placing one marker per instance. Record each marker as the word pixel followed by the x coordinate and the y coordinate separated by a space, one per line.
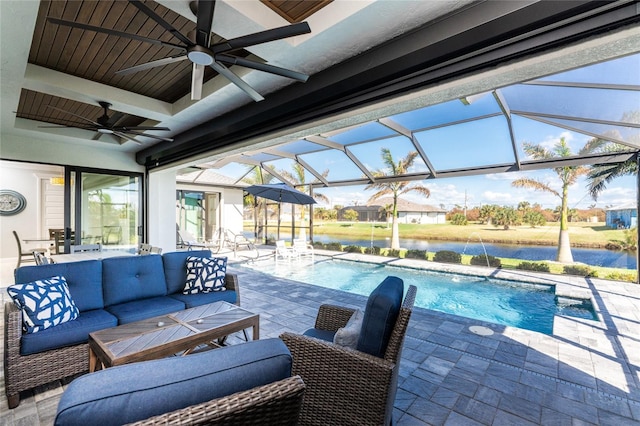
pixel 533 266
pixel 333 246
pixel 318 245
pixel 458 219
pixel 447 256
pixel 580 270
pixel 352 249
pixel 372 250
pixel 481 260
pixel 621 276
pixel 613 245
pixel 393 253
pixel 416 254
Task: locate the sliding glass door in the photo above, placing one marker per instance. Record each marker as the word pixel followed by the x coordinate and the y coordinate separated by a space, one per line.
pixel 103 207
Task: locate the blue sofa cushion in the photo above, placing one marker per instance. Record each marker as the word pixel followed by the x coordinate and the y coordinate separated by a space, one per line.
pixel 67 334
pixel 83 278
pixel 175 268
pixel 320 334
pixel 380 315
pixel 205 274
pixel 44 303
pixel 145 308
pixel 132 278
pixel 193 300
pixel 133 392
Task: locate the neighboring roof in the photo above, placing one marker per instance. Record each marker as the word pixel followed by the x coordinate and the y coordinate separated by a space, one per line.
pixel 625 206
pixel 407 206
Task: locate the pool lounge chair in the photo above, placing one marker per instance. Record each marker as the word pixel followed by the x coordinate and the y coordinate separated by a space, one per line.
pixel 188 241
pixel 283 252
pixel 302 248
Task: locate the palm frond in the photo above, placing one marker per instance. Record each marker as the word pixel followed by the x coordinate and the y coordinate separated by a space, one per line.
pixel 601 174
pixel 534 184
pixel 417 188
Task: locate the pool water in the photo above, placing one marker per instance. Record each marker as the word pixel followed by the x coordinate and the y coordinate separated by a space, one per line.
pixel 511 303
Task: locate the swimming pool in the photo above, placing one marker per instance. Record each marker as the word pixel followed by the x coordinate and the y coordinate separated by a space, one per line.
pixel 517 304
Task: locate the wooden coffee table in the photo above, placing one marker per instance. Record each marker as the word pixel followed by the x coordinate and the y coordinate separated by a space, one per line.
pixel 167 335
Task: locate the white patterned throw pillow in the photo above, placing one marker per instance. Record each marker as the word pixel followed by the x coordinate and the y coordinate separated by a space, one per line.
pixel 44 303
pixel 205 274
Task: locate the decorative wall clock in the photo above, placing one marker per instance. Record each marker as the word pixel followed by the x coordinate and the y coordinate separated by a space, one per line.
pixel 11 202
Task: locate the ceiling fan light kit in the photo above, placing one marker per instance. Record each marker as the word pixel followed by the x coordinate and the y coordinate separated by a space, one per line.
pixel 200 52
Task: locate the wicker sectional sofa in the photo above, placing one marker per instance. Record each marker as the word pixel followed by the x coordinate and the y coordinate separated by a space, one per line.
pixel 107 293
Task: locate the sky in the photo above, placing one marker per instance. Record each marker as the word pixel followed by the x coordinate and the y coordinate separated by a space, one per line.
pixel 476 133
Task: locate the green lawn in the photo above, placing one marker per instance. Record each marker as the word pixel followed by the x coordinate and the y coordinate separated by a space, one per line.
pixel 582 234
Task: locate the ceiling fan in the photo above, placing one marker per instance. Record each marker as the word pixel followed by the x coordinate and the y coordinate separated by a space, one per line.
pixel 105 125
pixel 201 53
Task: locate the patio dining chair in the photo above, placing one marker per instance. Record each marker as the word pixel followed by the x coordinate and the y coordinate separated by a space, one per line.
pixel 26 255
pixel 347 385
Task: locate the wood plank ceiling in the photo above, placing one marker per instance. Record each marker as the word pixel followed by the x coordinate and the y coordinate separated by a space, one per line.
pixel 97 56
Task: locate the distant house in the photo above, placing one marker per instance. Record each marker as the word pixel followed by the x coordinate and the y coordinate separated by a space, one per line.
pixel 622 216
pixel 408 212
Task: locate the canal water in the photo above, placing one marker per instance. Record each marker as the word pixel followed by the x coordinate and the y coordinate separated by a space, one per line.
pixel 595 257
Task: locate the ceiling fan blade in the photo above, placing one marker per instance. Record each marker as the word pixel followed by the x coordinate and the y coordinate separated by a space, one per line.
pixel 164 24
pixel 262 37
pixel 152 64
pixel 67 126
pixel 146 135
pixel 124 136
pixel 205 22
pixel 234 60
pixel 97 136
pixel 197 80
pixel 141 128
pixel 75 115
pixel 113 32
pixel 221 69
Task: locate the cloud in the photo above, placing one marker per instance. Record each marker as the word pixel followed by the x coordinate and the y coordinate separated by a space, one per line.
pixel 497 197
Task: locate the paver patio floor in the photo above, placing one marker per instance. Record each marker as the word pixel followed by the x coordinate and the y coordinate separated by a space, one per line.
pixel 587 372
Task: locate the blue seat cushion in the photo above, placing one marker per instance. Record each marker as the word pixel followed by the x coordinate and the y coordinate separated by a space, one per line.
pixel 192 300
pixel 320 334
pixel 67 334
pixel 83 278
pixel 175 268
pixel 380 315
pixel 137 391
pixel 129 278
pixel 145 308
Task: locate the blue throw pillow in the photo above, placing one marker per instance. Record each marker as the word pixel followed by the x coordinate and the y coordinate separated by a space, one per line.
pixel 205 274
pixel 44 303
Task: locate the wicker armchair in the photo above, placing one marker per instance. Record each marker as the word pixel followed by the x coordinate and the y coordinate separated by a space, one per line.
pixel 346 386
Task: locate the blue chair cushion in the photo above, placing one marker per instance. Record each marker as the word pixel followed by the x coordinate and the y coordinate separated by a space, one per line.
pixel 67 334
pixel 83 278
pixel 146 308
pixel 137 391
pixel 129 278
pixel 380 315
pixel 44 303
pixel 320 334
pixel 175 268
pixel 192 300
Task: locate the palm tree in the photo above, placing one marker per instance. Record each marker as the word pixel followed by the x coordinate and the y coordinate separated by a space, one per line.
pixel 601 174
pixel 258 177
pixel 395 188
pixel 568 176
pixel 299 180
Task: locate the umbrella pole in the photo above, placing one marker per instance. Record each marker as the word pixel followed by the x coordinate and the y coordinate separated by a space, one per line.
pixel 293 222
pixel 279 220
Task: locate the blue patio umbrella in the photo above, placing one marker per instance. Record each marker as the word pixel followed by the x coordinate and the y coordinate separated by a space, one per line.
pixel 280 192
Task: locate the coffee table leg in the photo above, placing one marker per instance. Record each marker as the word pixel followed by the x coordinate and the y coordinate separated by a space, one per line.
pixel 93 360
pixel 256 330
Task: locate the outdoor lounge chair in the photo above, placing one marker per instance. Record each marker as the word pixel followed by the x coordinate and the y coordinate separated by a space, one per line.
pixel 283 252
pixel 302 248
pixel 188 241
pixel 353 386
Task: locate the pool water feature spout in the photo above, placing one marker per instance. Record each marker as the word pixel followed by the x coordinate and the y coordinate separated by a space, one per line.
pixel 486 256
